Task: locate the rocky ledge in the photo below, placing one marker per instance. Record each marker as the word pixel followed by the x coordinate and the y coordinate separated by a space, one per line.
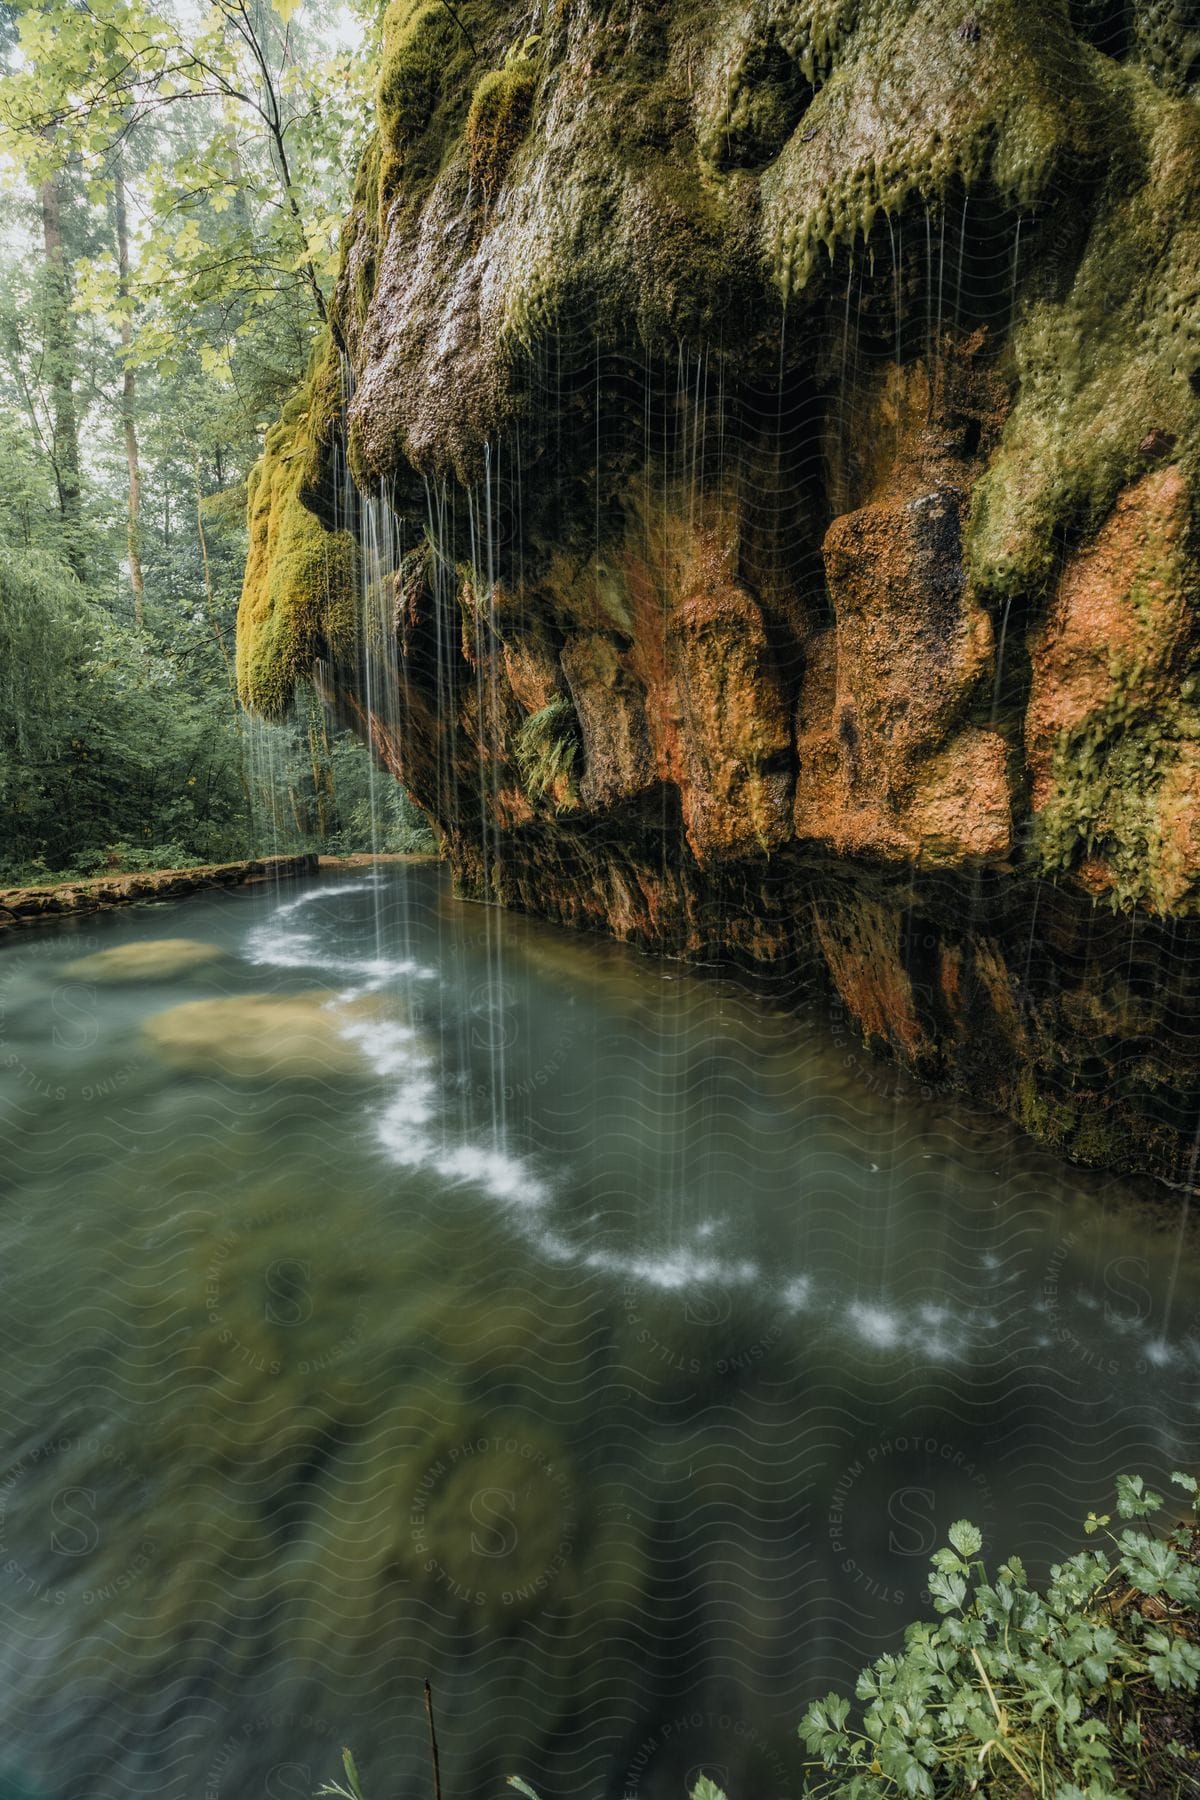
pixel 37 905
pixel 748 495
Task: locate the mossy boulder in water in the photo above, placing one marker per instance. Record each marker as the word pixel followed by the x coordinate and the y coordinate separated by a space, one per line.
pixel 259 1036
pixel 158 959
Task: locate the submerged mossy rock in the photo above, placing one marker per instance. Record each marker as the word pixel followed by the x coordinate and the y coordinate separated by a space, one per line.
pixel 158 959
pixel 264 1037
pixel 792 413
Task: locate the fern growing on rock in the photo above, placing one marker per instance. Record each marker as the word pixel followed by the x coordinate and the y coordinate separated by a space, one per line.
pixel 547 746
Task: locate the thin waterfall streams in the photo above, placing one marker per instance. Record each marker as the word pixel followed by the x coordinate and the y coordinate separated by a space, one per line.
pixel 400 1288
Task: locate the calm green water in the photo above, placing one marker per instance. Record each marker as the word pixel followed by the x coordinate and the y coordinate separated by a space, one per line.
pixel 458 1297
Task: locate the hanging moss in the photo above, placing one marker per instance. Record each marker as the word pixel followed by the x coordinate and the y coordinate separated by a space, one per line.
pixel 1167 38
pixel 1004 96
pixel 421 97
pixel 299 595
pixel 1106 362
pixel 497 122
pixel 416 40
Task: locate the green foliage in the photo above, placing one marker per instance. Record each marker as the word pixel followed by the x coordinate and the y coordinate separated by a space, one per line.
pixel 116 755
pixel 1077 1693
pixel 105 750
pixel 1074 1692
pixel 122 745
pixel 546 747
pixel 704 1789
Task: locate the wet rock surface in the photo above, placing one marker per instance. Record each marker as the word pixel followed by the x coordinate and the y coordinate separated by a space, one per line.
pixel 788 429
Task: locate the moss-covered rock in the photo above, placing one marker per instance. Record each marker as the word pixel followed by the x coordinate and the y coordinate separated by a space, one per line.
pixel 159 959
pixel 785 398
pixel 300 594
pixel 496 123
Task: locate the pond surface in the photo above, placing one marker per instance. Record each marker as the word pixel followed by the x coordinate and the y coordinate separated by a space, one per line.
pixel 394 1287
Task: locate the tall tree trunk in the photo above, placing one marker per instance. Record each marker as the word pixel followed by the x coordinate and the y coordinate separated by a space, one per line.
pixel 129 401
pixel 210 596
pixel 60 365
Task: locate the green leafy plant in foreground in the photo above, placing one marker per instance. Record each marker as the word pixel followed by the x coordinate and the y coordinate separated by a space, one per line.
pixel 1085 1692
pixel 1075 1693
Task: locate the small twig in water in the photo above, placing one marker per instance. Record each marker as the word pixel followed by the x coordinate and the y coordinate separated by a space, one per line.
pixel 433 1745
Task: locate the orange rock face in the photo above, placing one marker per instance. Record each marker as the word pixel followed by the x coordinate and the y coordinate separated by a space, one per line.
pixel 891 777
pixel 861 946
pixel 1112 741
pixel 790 742
pixel 1121 613
pixel 611 708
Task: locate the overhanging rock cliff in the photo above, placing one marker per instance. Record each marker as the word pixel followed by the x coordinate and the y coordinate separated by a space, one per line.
pixel 770 434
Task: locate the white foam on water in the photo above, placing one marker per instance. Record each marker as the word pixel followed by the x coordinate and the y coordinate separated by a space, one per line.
pixel 390 1048
pixel 399 1128
pixel 281 946
pixel 876 1325
pixel 312 895
pixel 403 1131
pixel 555 1248
pixel 281 949
pixel 505 1178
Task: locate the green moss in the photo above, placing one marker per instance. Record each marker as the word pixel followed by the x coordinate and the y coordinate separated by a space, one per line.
pixel 774 71
pixel 1167 38
pixel 421 95
pixel 547 746
pixel 1005 97
pixel 1098 1138
pixel 1050 1120
pixel 299 595
pixel 1100 365
pixel 360 244
pixel 1107 774
pixel 497 122
pixel 320 420
pixel 416 37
